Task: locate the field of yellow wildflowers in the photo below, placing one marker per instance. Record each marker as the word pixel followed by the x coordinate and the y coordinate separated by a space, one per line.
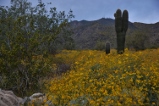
pixel 97 79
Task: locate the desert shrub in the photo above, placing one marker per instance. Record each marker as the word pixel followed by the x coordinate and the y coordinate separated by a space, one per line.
pixel 138 40
pixel 28 37
pixel 99 45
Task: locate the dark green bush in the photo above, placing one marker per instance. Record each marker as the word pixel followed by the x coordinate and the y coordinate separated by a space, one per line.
pixel 27 37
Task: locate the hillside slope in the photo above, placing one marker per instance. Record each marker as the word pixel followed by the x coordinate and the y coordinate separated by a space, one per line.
pixel 97 79
pixel 88 33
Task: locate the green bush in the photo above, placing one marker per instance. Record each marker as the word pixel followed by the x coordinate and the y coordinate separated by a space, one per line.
pixel 27 37
pixel 138 40
pixel 99 45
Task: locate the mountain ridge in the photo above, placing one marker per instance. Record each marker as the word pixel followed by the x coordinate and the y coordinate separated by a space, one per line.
pixel 88 33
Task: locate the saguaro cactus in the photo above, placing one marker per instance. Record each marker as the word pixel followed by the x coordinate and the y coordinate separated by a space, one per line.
pixel 121 26
pixel 107 49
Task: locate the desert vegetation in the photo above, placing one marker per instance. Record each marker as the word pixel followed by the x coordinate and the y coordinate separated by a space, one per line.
pixel 28 35
pixel 121 26
pixel 39 52
pixel 98 79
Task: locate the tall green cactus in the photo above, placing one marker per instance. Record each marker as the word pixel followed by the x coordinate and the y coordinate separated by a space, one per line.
pixel 121 26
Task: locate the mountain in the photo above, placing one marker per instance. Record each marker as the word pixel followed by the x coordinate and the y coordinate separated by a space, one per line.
pixel 88 34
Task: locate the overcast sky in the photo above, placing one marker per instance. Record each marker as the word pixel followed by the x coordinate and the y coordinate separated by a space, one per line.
pixel 145 11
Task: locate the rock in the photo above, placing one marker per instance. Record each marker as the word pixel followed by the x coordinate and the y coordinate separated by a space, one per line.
pixel 36 98
pixel 8 98
pixel 37 95
pixel 49 103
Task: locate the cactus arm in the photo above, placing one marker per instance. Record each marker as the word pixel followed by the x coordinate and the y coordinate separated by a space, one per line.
pixel 125 20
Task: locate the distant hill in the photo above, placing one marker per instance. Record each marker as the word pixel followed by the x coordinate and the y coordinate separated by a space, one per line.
pixel 88 33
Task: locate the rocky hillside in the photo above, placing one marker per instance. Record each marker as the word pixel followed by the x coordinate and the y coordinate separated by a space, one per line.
pixel 87 34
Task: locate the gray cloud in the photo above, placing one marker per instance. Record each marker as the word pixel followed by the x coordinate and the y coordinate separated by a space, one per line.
pixel 145 11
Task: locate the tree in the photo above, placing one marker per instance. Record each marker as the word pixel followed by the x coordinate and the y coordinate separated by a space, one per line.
pixel 27 36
